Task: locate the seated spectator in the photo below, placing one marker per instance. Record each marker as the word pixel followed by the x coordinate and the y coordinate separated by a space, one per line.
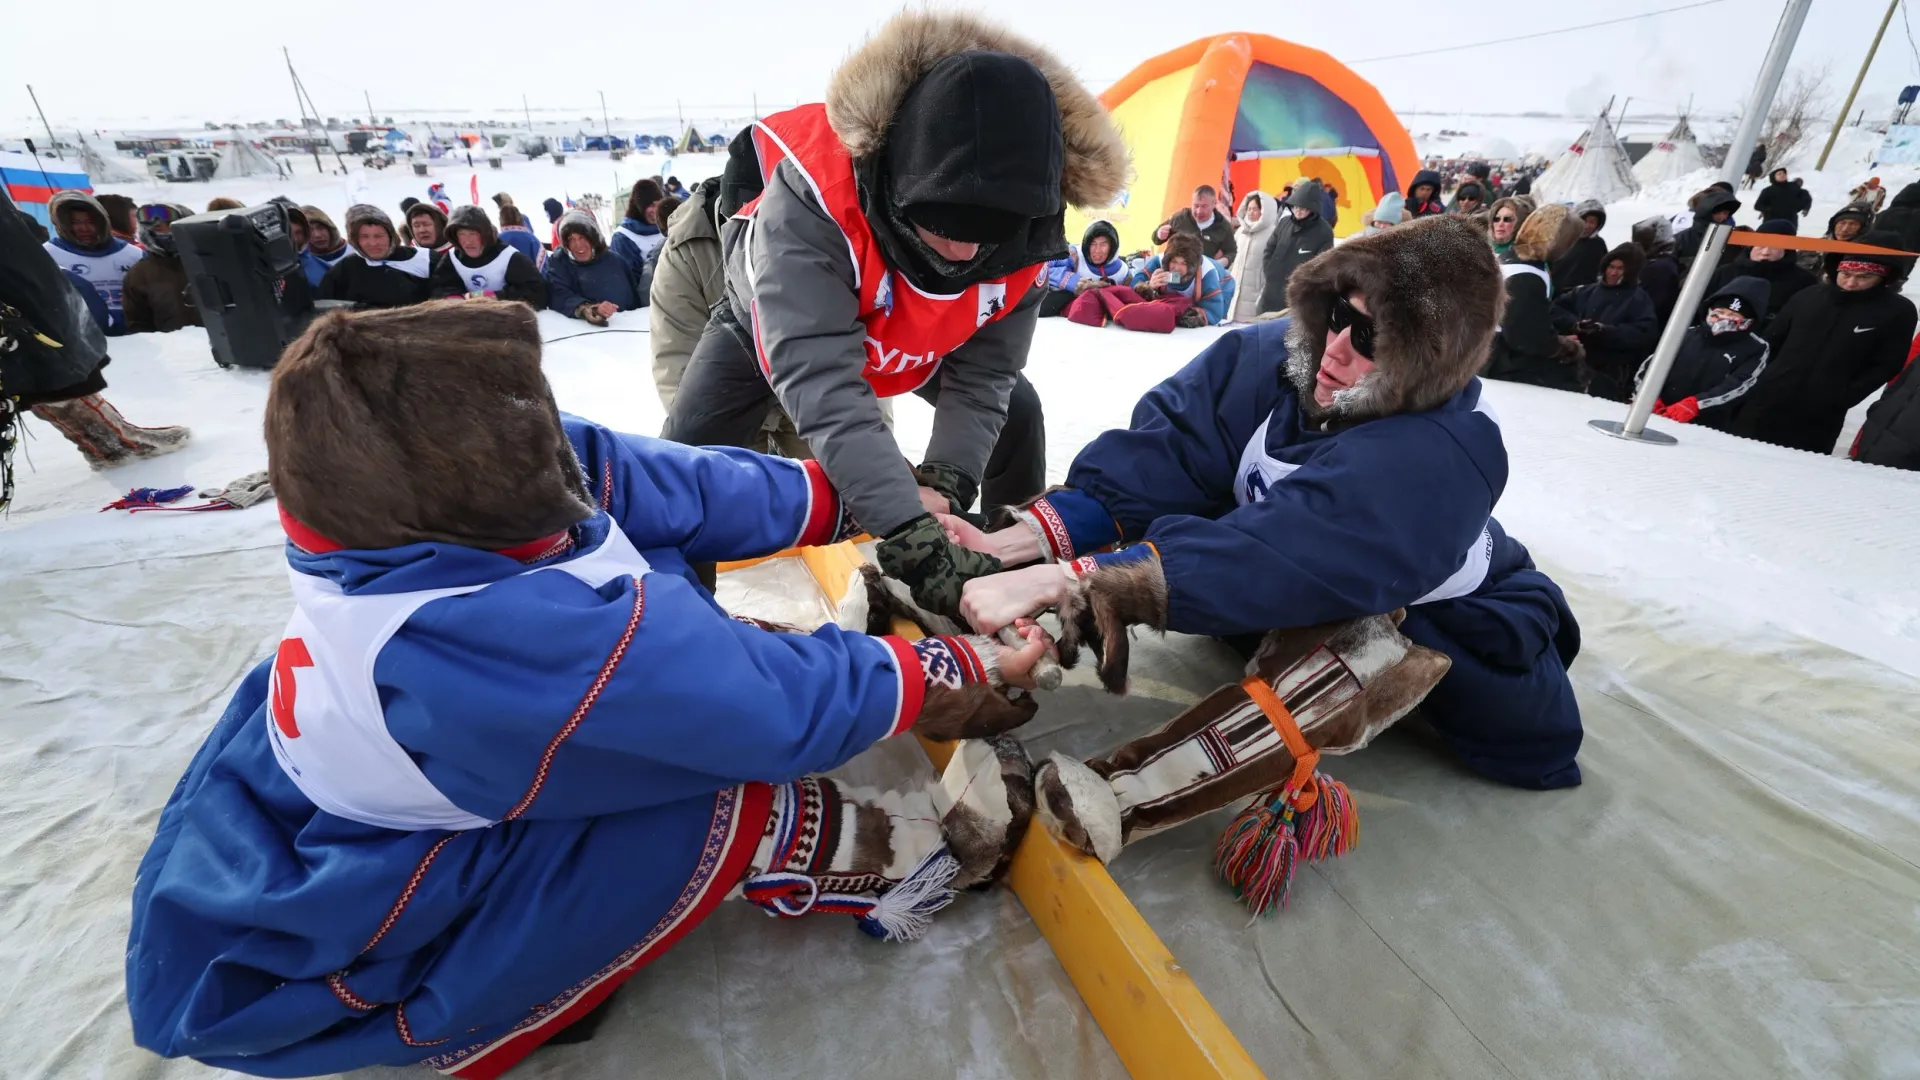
pixel 1390 212
pixel 1833 345
pixel 380 273
pixel 1094 264
pixel 1783 276
pixel 121 217
pixel 586 281
pixel 1468 200
pixel 676 189
pixel 83 245
pixel 1529 347
pixel 1423 197
pixel 1198 219
pixel 1847 223
pixel 1660 277
pixel 1614 320
pixel 325 247
pixel 554 213
pixel 296 222
pixel 1180 270
pixel 1299 236
pixel 1891 435
pixel 1711 207
pixel 1507 215
pixel 1720 359
pixel 1258 215
pixel 481 264
pixel 224 203
pixel 1581 265
pixel 155 294
pixel 639 233
pixel 427 225
pixel 515 232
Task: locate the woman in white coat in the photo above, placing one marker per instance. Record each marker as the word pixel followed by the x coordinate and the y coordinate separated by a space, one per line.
pixel 1255 232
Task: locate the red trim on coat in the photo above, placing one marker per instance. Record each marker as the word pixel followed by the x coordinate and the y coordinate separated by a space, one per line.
pixel 740 820
pixel 823 507
pixel 913 682
pixel 586 703
pixel 306 539
pixel 406 894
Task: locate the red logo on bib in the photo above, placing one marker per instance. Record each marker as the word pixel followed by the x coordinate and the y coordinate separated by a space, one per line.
pixel 291 654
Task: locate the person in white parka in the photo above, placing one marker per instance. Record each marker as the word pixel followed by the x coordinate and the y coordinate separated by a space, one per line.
pixel 1255 232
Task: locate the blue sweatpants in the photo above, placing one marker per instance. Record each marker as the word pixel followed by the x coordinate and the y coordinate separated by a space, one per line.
pixel 1506 706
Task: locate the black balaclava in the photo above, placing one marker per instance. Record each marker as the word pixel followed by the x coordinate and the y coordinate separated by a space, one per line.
pixel 974 153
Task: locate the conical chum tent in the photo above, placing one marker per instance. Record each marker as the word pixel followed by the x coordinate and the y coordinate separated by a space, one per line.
pixel 105 170
pixel 1596 166
pixel 1672 157
pixel 241 158
pixel 1256 112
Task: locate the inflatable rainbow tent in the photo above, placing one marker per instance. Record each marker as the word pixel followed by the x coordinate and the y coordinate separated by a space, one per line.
pixel 1257 112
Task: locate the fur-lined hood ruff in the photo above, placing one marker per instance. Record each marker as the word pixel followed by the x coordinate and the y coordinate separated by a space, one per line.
pixel 868 87
pixel 1546 234
pixel 1435 293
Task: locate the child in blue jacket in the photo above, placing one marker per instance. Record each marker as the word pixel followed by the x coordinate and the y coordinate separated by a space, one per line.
pixel 1334 465
pixel 507 750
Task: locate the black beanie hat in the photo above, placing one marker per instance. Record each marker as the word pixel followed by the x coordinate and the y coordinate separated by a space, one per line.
pixel 1778 226
pixel 975 150
pixel 740 181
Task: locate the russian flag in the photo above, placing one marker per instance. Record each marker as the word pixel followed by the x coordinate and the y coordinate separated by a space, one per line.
pixel 31 182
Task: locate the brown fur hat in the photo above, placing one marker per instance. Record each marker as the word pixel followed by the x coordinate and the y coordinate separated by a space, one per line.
pixel 867 88
pixel 224 202
pixel 1434 291
pixel 1182 245
pixel 1546 234
pixel 425 423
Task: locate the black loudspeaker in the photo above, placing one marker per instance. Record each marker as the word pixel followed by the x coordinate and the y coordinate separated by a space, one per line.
pixel 247 281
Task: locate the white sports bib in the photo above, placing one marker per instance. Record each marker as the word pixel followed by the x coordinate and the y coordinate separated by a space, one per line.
pixel 488 277
pixel 419 265
pixel 1259 471
pixel 323 710
pixel 645 243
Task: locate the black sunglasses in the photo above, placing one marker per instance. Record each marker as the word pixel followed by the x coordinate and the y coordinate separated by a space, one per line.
pixel 1342 316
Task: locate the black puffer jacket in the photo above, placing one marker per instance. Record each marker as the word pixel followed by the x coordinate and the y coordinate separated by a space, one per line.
pixel 1581 264
pixel 1902 217
pixel 1831 349
pixel 1687 244
pixel 1294 242
pixel 1891 436
pixel 1624 328
pixel 48 304
pixel 1782 199
pixel 1718 370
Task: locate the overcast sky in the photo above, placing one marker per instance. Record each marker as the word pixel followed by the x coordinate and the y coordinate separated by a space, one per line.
pixel 212 59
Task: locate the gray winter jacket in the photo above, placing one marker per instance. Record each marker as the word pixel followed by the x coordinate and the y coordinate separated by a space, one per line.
pixel 686 283
pixel 806 317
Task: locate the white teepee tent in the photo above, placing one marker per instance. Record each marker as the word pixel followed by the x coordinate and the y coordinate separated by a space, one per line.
pixel 102 169
pixel 1594 167
pixel 241 158
pixel 1671 157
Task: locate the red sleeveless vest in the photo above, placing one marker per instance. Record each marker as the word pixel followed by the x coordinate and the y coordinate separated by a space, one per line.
pixel 908 331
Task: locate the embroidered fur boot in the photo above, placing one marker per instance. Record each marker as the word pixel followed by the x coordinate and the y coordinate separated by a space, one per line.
pixel 105 437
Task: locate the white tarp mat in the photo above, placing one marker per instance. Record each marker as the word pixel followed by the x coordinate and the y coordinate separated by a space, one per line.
pixel 1733 893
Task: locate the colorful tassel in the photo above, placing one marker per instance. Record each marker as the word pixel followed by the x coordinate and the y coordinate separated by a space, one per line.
pixel 1261 848
pixel 148 497
pixel 902 913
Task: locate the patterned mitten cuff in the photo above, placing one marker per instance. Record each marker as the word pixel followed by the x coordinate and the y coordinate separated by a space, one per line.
pixel 1069 522
pixel 954 661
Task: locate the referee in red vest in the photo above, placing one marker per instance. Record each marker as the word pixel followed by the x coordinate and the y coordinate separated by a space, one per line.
pixel 893 249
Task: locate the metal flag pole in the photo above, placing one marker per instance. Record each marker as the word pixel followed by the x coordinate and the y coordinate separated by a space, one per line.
pixel 1634 428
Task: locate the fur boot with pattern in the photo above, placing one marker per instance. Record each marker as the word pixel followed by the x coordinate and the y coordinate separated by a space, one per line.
pixel 105 437
pixel 1342 684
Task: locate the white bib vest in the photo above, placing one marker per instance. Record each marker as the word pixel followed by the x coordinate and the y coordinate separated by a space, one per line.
pixel 488 277
pixel 323 714
pixel 105 271
pixel 646 244
pixel 1259 471
pixel 419 266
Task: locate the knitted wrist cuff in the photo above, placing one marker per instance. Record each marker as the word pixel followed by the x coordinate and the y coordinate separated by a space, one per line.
pixel 952 662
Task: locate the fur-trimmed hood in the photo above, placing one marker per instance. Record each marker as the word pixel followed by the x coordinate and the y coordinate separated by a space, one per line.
pixel 1435 293
pixel 471 217
pixel 65 204
pixel 1546 234
pixel 1654 235
pixel 1270 211
pixel 427 209
pixel 317 216
pixel 1632 259
pixel 868 87
pixel 368 214
pixel 582 222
